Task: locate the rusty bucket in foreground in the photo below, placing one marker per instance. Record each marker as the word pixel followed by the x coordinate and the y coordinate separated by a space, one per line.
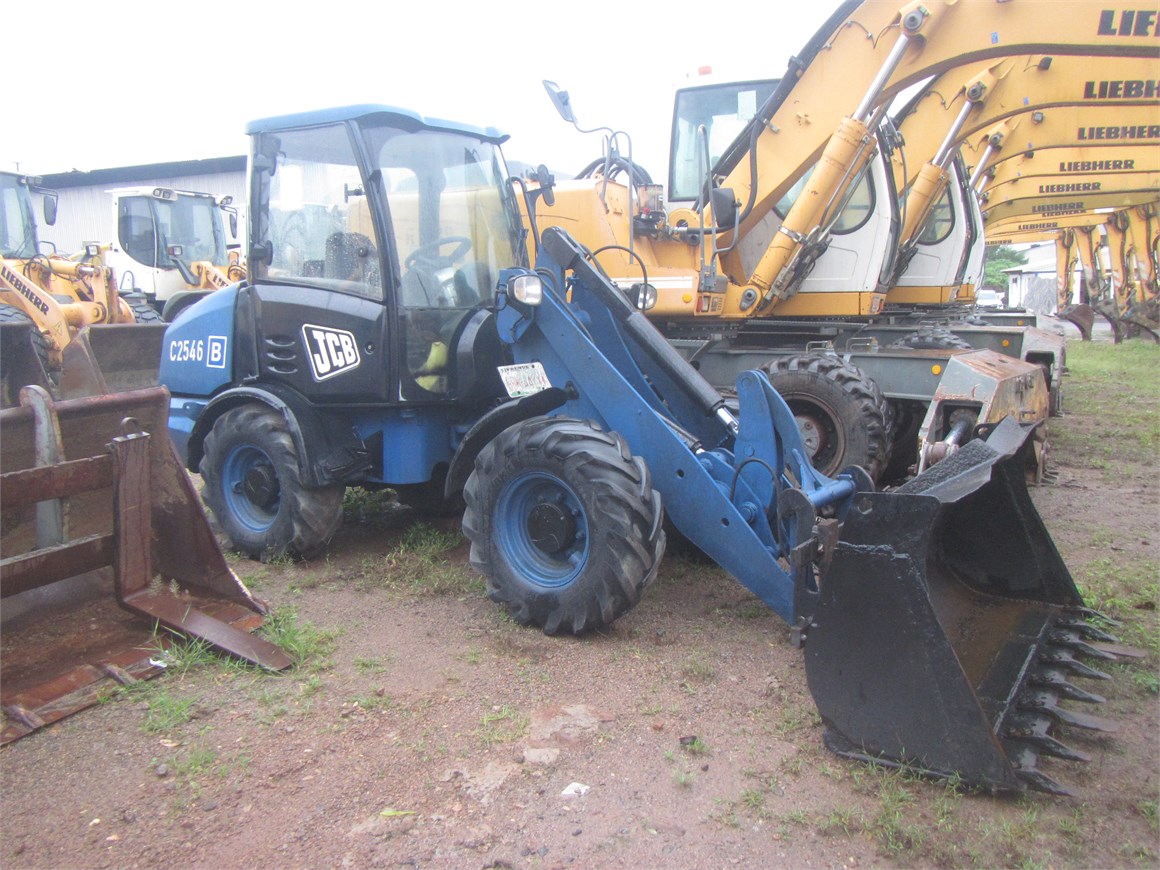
pixel 952 647
pixel 98 512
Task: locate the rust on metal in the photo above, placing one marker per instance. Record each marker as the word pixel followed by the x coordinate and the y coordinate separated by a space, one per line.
pixel 127 550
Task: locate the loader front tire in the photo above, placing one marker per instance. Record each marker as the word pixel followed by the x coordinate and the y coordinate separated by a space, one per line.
pixel 40 345
pixel 143 312
pixel 564 524
pixel 841 413
pixel 254 488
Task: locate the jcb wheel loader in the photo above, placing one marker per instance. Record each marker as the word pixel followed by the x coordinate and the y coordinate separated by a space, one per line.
pixel 421 347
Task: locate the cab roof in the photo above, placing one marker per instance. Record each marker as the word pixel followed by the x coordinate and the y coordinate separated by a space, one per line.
pixel 404 118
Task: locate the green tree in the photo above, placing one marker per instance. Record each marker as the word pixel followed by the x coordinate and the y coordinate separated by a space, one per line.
pixel 998 258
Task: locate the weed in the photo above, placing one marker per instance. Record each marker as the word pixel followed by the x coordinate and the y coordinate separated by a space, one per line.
pixel 302 641
pixel 166 712
pixel 369 666
pixel 501 725
pixel 684 778
pixel 699 667
pixel 694 746
pixel 754 801
pixel 1148 810
pixel 844 821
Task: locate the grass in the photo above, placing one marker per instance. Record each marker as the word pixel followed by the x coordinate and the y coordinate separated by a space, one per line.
pixel 501 724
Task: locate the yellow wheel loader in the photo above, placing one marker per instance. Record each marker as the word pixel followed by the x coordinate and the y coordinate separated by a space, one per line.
pixel 173 246
pixel 105 549
pixel 45 299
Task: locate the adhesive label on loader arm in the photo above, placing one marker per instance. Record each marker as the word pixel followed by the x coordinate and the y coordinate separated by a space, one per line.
pixel 524 379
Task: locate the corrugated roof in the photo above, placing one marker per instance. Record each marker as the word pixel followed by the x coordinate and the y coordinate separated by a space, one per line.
pixel 149 172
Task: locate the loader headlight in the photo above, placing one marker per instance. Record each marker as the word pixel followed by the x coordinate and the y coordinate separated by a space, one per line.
pixel 527 289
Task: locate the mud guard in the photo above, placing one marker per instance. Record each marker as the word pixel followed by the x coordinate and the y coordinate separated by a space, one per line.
pixel 948 650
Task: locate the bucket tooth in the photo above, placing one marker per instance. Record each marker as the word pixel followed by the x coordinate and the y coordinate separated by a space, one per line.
pixel 1085 628
pixel 1048 703
pixel 1033 730
pixel 1056 681
pixel 1072 640
pixel 1063 659
pixel 1087 613
pixel 1040 781
pixel 1119 650
pixel 1083 720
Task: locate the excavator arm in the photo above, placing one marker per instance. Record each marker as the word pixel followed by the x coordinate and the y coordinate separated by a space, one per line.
pixel 942 116
pixel 875 50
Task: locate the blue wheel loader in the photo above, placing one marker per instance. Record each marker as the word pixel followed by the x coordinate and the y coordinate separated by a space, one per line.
pixel 393 333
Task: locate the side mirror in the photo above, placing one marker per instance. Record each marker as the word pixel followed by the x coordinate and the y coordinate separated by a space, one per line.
pixel 50 207
pixel 724 204
pixel 560 100
pixel 547 181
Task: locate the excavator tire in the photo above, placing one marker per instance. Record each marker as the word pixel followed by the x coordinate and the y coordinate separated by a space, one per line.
pixel 840 411
pixel 253 487
pixel 143 312
pixel 564 524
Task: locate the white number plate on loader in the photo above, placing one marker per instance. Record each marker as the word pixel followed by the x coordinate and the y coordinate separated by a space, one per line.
pixel 524 379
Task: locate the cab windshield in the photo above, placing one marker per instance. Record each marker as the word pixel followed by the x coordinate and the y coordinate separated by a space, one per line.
pixel 17 228
pixel 147 227
pixel 724 111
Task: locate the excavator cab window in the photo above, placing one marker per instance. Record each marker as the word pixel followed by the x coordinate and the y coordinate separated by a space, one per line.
pixel 195 223
pixel 859 206
pixel 136 229
pixel 724 110
pixel 17 228
pixel 941 221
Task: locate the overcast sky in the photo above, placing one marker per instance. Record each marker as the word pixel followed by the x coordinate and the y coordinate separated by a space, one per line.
pixel 129 82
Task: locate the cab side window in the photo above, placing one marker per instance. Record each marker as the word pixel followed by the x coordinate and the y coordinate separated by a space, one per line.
pixel 320 221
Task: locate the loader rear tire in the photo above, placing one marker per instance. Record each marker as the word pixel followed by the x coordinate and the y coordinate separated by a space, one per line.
pixel 255 490
pixel 564 524
pixel 841 413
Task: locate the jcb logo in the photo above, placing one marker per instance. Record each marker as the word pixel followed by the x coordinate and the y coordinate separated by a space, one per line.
pixel 331 351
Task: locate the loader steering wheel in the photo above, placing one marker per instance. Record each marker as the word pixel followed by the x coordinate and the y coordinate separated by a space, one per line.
pixel 427 256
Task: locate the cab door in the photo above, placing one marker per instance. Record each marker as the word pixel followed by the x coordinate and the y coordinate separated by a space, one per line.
pixel 318 296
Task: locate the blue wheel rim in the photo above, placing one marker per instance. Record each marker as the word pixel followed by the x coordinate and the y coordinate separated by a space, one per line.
pixel 525 497
pixel 242 461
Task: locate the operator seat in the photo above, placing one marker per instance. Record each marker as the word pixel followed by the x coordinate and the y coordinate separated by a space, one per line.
pixel 349 257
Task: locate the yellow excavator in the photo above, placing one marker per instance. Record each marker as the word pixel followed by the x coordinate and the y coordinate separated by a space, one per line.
pixel 964 102
pixel 763 209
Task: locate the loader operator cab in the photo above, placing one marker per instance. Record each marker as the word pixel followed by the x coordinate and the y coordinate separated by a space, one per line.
pixel 18 240
pixel 405 227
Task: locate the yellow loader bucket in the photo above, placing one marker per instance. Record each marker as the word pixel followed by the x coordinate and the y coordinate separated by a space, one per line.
pixel 950 649
pixel 103 540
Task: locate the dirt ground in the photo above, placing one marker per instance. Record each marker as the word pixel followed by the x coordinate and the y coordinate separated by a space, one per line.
pixel 426 729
